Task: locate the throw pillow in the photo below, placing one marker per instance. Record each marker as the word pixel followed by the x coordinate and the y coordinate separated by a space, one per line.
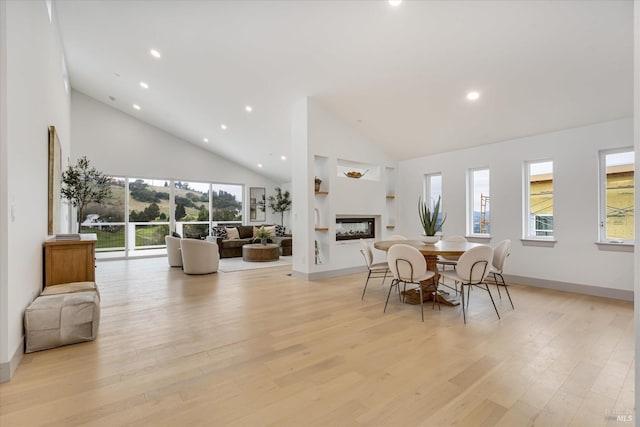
pixel 271 230
pixel 232 233
pixel 280 230
pixel 220 232
pixel 245 231
pixel 255 231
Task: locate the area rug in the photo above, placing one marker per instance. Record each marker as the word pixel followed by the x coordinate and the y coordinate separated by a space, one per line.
pixel 237 264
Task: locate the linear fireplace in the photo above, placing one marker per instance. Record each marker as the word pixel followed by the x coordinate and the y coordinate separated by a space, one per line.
pixel 355 228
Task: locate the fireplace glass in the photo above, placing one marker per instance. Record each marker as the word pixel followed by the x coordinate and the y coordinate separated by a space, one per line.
pixel 355 228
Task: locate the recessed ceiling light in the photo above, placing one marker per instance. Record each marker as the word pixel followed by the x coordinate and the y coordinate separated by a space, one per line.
pixel 395 3
pixel 155 53
pixel 223 126
pixel 205 139
pixel 259 165
pixel 144 85
pixel 283 157
pixel 136 106
pixel 248 108
pixel 473 95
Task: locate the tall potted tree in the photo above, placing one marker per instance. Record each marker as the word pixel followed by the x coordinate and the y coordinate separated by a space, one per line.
pixel 83 184
pixel 280 203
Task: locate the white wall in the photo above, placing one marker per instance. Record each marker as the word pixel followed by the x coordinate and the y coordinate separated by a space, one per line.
pixel 318 132
pixel 575 258
pixel 121 145
pixel 33 98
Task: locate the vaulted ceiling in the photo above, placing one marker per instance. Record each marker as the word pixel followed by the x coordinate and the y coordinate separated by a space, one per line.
pixel 399 75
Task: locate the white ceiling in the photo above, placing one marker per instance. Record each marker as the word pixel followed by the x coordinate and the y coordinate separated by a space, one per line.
pixel 398 75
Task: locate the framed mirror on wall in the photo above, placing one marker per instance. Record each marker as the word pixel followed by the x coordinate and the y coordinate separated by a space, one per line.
pixel 257 204
pixel 55 182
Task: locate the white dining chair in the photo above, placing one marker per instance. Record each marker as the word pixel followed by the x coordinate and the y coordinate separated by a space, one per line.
pixel 450 261
pixel 500 255
pixel 408 266
pixel 398 237
pixel 472 270
pixel 375 270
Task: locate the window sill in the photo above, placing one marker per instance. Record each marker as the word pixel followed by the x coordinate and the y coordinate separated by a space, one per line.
pixel 615 246
pixel 543 243
pixel 479 238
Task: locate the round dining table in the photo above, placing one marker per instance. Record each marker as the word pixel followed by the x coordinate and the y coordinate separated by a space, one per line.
pixel 431 253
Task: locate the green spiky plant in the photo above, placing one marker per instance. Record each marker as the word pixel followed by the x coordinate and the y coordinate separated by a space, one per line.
pixel 429 219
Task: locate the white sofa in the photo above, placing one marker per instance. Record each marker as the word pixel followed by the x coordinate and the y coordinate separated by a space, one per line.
pixel 199 256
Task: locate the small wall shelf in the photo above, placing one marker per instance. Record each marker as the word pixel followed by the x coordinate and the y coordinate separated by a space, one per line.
pixel 390 197
pixel 321 228
pixel 321 193
pixel 391 227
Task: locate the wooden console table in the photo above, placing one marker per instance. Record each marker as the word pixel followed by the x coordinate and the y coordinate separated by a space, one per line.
pixel 68 261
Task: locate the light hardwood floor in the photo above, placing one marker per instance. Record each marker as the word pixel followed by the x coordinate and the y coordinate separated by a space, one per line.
pixel 259 347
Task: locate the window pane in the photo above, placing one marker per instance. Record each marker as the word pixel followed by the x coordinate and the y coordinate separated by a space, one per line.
pixel 435 189
pixel 541 199
pixel 106 220
pixel 227 203
pixel 148 212
pixel 192 209
pixel 481 213
pixel 619 196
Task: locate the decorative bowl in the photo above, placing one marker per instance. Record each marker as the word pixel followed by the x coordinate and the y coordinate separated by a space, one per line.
pixel 429 240
pixel 355 174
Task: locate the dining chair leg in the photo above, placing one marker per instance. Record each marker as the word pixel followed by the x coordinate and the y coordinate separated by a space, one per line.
pixel 492 302
pixel 468 294
pixel 495 279
pixel 421 302
pixel 365 285
pixel 464 313
pixel 436 296
pixel 506 288
pixel 393 283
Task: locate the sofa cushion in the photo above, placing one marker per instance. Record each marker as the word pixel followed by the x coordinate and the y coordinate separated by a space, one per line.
pixel 271 229
pixel 245 231
pixel 232 233
pixel 219 231
pixel 236 243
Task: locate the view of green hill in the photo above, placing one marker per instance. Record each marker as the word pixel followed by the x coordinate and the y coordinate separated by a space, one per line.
pixel 151 203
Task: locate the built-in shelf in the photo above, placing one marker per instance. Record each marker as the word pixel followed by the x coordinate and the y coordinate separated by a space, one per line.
pixel 321 228
pixel 321 193
pixel 390 196
pixel 390 227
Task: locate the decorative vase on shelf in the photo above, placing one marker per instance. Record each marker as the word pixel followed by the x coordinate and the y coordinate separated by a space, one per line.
pixel 316 183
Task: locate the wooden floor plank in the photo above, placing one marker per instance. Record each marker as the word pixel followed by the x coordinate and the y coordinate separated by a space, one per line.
pixel 260 348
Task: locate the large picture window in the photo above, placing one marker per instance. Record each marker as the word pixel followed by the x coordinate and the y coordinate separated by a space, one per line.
pixel 141 212
pixel 617 207
pixel 479 214
pixel 538 221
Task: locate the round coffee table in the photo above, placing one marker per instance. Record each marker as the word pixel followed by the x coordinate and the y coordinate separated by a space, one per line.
pixel 261 253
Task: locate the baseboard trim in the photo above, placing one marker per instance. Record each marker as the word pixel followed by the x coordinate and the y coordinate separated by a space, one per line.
pixel 7 369
pixel 621 294
pixel 328 274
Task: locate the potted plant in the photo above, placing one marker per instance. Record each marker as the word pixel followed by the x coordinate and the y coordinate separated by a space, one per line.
pixel 429 220
pixel 263 235
pixel 280 203
pixel 83 184
pixel 317 182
